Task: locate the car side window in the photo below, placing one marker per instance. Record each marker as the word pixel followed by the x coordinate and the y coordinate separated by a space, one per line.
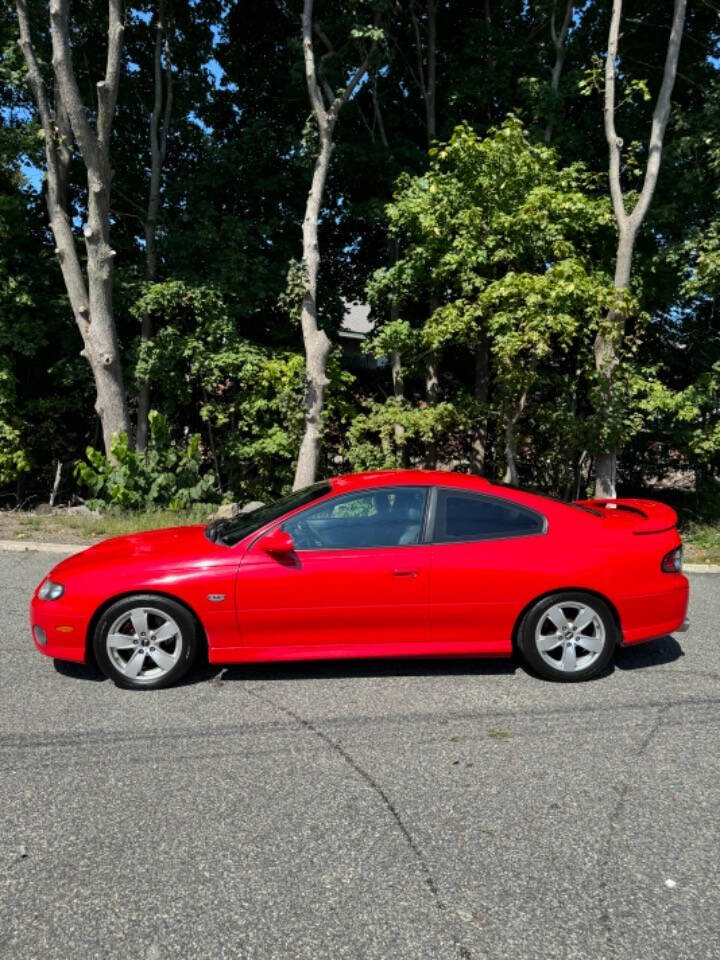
pixel 463 517
pixel 384 517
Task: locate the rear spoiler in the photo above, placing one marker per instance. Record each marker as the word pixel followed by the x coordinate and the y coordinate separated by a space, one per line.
pixel 639 516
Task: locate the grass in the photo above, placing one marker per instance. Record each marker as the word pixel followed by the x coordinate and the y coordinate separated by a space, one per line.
pixel 702 542
pixel 76 528
pixel 499 733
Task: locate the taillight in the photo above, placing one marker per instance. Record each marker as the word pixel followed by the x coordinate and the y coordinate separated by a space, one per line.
pixel 672 562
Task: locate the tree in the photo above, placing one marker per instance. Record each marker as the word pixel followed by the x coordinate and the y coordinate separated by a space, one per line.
pixel 159 128
pixel 326 106
pixel 510 238
pixel 628 224
pixel 89 292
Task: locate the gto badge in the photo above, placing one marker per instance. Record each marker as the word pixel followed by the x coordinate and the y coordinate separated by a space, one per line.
pixel 216 597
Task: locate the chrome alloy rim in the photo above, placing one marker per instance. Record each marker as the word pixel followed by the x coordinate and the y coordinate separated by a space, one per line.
pixel 570 636
pixel 144 644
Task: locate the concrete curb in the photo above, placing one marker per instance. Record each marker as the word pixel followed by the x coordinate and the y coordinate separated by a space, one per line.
pixel 38 546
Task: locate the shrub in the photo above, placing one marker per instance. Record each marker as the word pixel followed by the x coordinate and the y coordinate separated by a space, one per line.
pixel 166 475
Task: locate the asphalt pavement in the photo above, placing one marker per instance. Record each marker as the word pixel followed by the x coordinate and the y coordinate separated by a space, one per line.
pixel 426 809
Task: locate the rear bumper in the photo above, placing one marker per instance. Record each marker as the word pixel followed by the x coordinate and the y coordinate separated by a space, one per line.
pixel 655 614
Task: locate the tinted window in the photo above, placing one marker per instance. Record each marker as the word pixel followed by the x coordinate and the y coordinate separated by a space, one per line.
pixel 234 530
pixel 369 518
pixel 467 516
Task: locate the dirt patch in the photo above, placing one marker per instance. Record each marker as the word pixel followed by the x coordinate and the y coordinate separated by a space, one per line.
pixel 25 525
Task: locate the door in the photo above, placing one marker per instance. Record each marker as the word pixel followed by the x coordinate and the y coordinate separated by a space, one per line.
pixel 357 582
pixel 487 552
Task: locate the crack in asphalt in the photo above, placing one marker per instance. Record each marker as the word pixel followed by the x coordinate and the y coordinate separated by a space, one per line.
pixel 606 918
pixel 462 951
pixel 18 741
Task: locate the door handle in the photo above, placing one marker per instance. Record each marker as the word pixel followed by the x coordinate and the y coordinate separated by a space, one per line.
pixel 405 573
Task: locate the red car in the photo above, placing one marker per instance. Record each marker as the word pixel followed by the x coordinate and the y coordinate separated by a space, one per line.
pixel 405 563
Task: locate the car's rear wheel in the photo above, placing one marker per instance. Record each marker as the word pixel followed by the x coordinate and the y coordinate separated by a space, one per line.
pixel 568 636
pixel 144 642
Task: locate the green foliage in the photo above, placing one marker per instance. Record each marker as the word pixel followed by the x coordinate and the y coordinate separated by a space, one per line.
pixel 386 435
pixel 249 397
pixel 503 241
pixel 495 252
pixel 166 475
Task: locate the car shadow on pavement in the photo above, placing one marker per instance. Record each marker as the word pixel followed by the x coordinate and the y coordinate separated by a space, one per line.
pixel 654 654
pixel 359 669
pixel 657 653
pixel 78 671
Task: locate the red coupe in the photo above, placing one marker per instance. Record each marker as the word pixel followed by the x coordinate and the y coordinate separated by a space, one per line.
pixel 403 563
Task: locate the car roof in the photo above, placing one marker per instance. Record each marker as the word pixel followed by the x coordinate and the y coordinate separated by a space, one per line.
pixel 449 478
pixel 446 478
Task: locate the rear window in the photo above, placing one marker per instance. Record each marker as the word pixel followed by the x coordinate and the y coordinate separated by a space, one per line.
pixel 462 517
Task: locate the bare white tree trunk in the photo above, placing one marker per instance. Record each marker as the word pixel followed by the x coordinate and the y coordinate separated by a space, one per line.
pixel 481 391
pixel 511 417
pixel 628 224
pixel 158 151
pixel 56 484
pixel 559 41
pixel 90 293
pixel 432 395
pixel 316 342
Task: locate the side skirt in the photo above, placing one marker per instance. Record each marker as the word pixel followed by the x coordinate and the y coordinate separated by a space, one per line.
pixel 346 651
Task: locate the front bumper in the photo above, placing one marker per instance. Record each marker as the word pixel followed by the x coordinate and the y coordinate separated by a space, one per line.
pixel 64 631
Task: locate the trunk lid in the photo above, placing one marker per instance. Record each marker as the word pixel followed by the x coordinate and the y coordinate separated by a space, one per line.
pixel 634 515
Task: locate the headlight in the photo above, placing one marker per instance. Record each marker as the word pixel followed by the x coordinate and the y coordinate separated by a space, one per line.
pixel 51 591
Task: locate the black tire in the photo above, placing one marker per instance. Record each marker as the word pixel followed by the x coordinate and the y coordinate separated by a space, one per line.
pixel 536 627
pixel 177 654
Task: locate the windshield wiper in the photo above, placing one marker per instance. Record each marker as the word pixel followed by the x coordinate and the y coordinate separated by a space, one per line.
pixel 214 530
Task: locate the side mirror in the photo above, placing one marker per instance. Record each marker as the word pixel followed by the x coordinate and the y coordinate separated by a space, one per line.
pixel 277 541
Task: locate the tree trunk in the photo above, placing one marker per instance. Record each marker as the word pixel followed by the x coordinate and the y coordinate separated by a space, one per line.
pixel 143 399
pixel 101 344
pixel 628 224
pixel 90 294
pixel 511 422
pixel 158 152
pixel 432 392
pixel 559 41
pixel 605 475
pixel 511 471
pixel 398 379
pixel 426 77
pixel 316 342
pixel 482 388
pixel 399 394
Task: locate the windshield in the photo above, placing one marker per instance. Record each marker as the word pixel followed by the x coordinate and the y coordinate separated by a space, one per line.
pixel 235 529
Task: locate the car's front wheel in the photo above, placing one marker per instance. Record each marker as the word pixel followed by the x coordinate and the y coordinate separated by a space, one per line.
pixel 568 636
pixel 145 641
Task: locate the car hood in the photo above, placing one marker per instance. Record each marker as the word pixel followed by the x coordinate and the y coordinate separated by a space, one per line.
pixel 173 547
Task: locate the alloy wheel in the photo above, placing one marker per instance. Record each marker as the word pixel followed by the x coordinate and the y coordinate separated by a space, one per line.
pixel 144 644
pixel 570 636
